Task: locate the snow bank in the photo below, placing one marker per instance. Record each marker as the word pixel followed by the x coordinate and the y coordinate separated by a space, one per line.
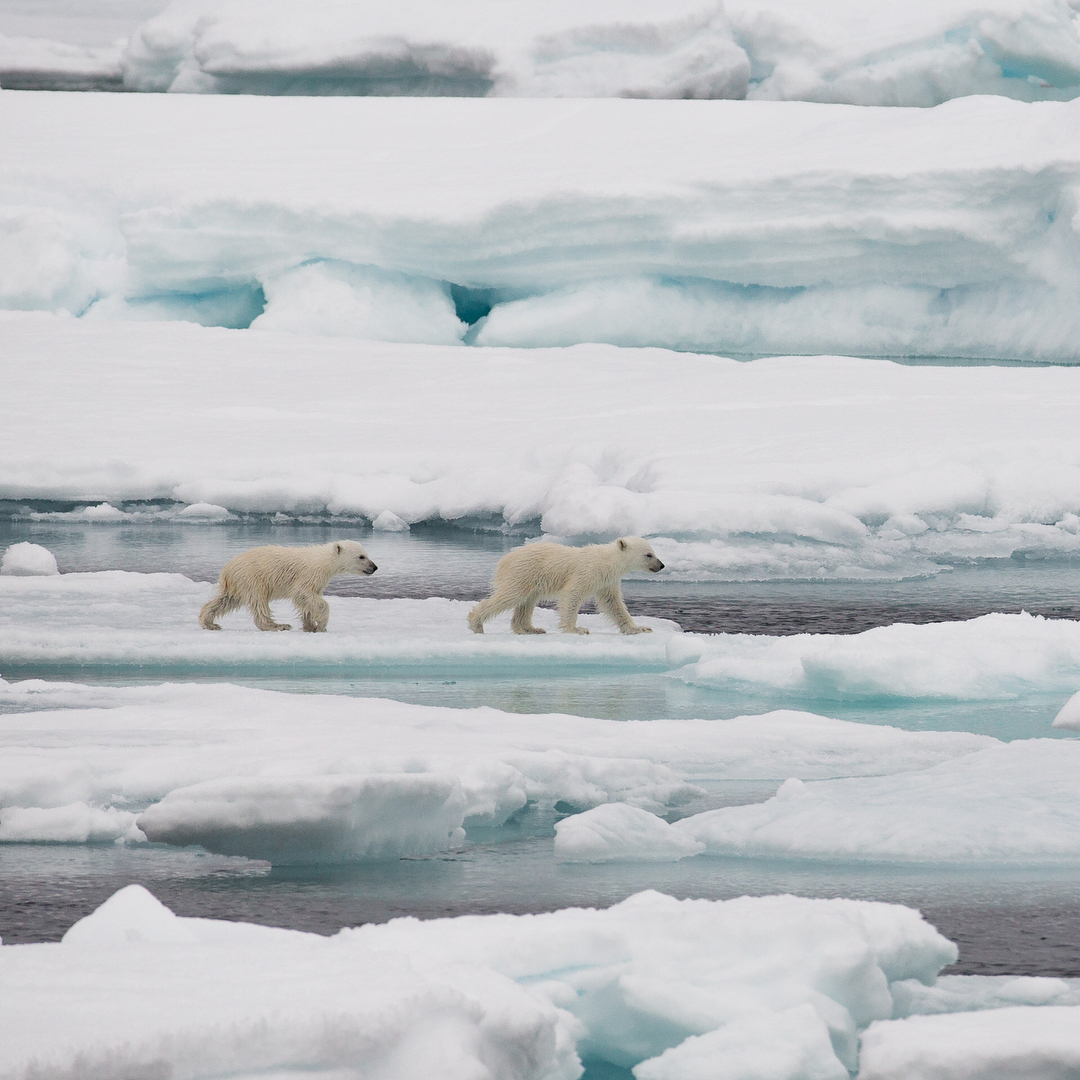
pixel 778 49
pixel 295 778
pixel 28 560
pixel 1019 1042
pixel 1014 803
pixel 748 227
pixel 133 987
pixel 620 833
pixel 792 468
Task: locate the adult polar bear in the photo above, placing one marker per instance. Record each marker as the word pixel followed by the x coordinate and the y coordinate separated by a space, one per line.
pixel 538 572
pixel 299 574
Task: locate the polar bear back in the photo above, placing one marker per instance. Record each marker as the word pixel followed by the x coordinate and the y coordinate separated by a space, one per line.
pixel 278 573
pixel 546 570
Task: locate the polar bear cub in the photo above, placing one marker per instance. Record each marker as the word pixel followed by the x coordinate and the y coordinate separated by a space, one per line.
pixel 538 572
pixel 299 574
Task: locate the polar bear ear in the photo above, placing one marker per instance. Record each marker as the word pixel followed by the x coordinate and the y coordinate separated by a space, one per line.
pixel 622 545
pixel 337 548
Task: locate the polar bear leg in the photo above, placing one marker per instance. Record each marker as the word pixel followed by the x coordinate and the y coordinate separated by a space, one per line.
pixel 314 611
pixel 489 608
pixel 260 612
pixel 610 601
pixel 522 622
pixel 214 609
pixel 569 602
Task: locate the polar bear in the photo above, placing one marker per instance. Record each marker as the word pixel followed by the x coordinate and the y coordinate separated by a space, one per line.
pixel 299 574
pixel 538 572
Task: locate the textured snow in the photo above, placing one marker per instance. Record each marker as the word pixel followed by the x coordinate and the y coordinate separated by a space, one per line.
pixel 968 993
pixel 1019 1043
pixel 751 227
pixel 132 988
pixel 618 832
pixel 797 468
pixel 877 54
pixel 28 560
pixel 1016 803
pixel 312 778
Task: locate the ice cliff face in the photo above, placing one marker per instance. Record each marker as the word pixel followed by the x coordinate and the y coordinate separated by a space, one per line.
pixel 759 227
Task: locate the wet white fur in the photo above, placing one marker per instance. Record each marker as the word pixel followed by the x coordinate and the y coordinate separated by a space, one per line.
pixel 538 572
pixel 299 574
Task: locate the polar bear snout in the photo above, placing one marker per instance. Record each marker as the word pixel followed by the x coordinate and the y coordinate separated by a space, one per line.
pixel 653 564
pixel 370 568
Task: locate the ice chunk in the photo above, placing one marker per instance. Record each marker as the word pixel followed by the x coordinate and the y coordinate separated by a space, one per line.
pixel 616 832
pixel 28 560
pixel 1069 715
pixel 1014 803
pixel 203 511
pixel 103 512
pixel 312 820
pixel 1018 1042
pixel 789 1045
pixel 968 993
pixel 133 914
pixel 75 823
pixel 388 521
pixel 343 300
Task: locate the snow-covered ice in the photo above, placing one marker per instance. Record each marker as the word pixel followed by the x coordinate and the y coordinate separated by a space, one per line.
pixel 864 54
pixel 815 467
pixel 134 986
pixel 968 993
pixel 1035 1043
pixel 1016 803
pixel 28 560
pixel 328 778
pixel 617 832
pixel 753 227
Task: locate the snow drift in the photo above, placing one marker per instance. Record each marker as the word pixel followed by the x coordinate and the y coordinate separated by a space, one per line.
pixel 747 227
pixel 133 988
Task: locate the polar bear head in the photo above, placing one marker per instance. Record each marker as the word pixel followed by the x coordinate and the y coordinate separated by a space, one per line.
pixel 638 554
pixel 351 558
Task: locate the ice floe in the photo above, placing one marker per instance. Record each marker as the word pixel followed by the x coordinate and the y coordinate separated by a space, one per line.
pixel 1016 803
pixel 520 996
pixel 1018 1042
pixel 616 832
pixel 795 468
pixel 312 778
pixel 753 227
pixel 777 49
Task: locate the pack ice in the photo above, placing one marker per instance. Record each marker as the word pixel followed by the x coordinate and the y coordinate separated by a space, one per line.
pixel 312 778
pixel 780 984
pixel 796 468
pixel 850 52
pixel 749 227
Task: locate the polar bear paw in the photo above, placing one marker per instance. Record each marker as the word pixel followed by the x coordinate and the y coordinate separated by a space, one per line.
pixel 638 630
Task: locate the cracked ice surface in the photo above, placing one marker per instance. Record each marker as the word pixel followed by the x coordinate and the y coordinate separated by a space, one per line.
pixel 748 227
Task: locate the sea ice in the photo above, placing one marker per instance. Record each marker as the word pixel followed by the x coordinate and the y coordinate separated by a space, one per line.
pixel 1019 1043
pixel 778 49
pixel 616 832
pixel 968 993
pixel 28 560
pixel 328 778
pixel 517 996
pixel 1016 803
pixel 795 468
pixel 750 227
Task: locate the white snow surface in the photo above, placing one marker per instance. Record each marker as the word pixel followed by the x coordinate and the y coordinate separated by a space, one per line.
pixel 133 987
pixel 1019 1043
pixel 749 227
pixel 815 467
pixel 314 778
pixel 968 993
pixel 28 560
pixel 1016 803
pixel 866 54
